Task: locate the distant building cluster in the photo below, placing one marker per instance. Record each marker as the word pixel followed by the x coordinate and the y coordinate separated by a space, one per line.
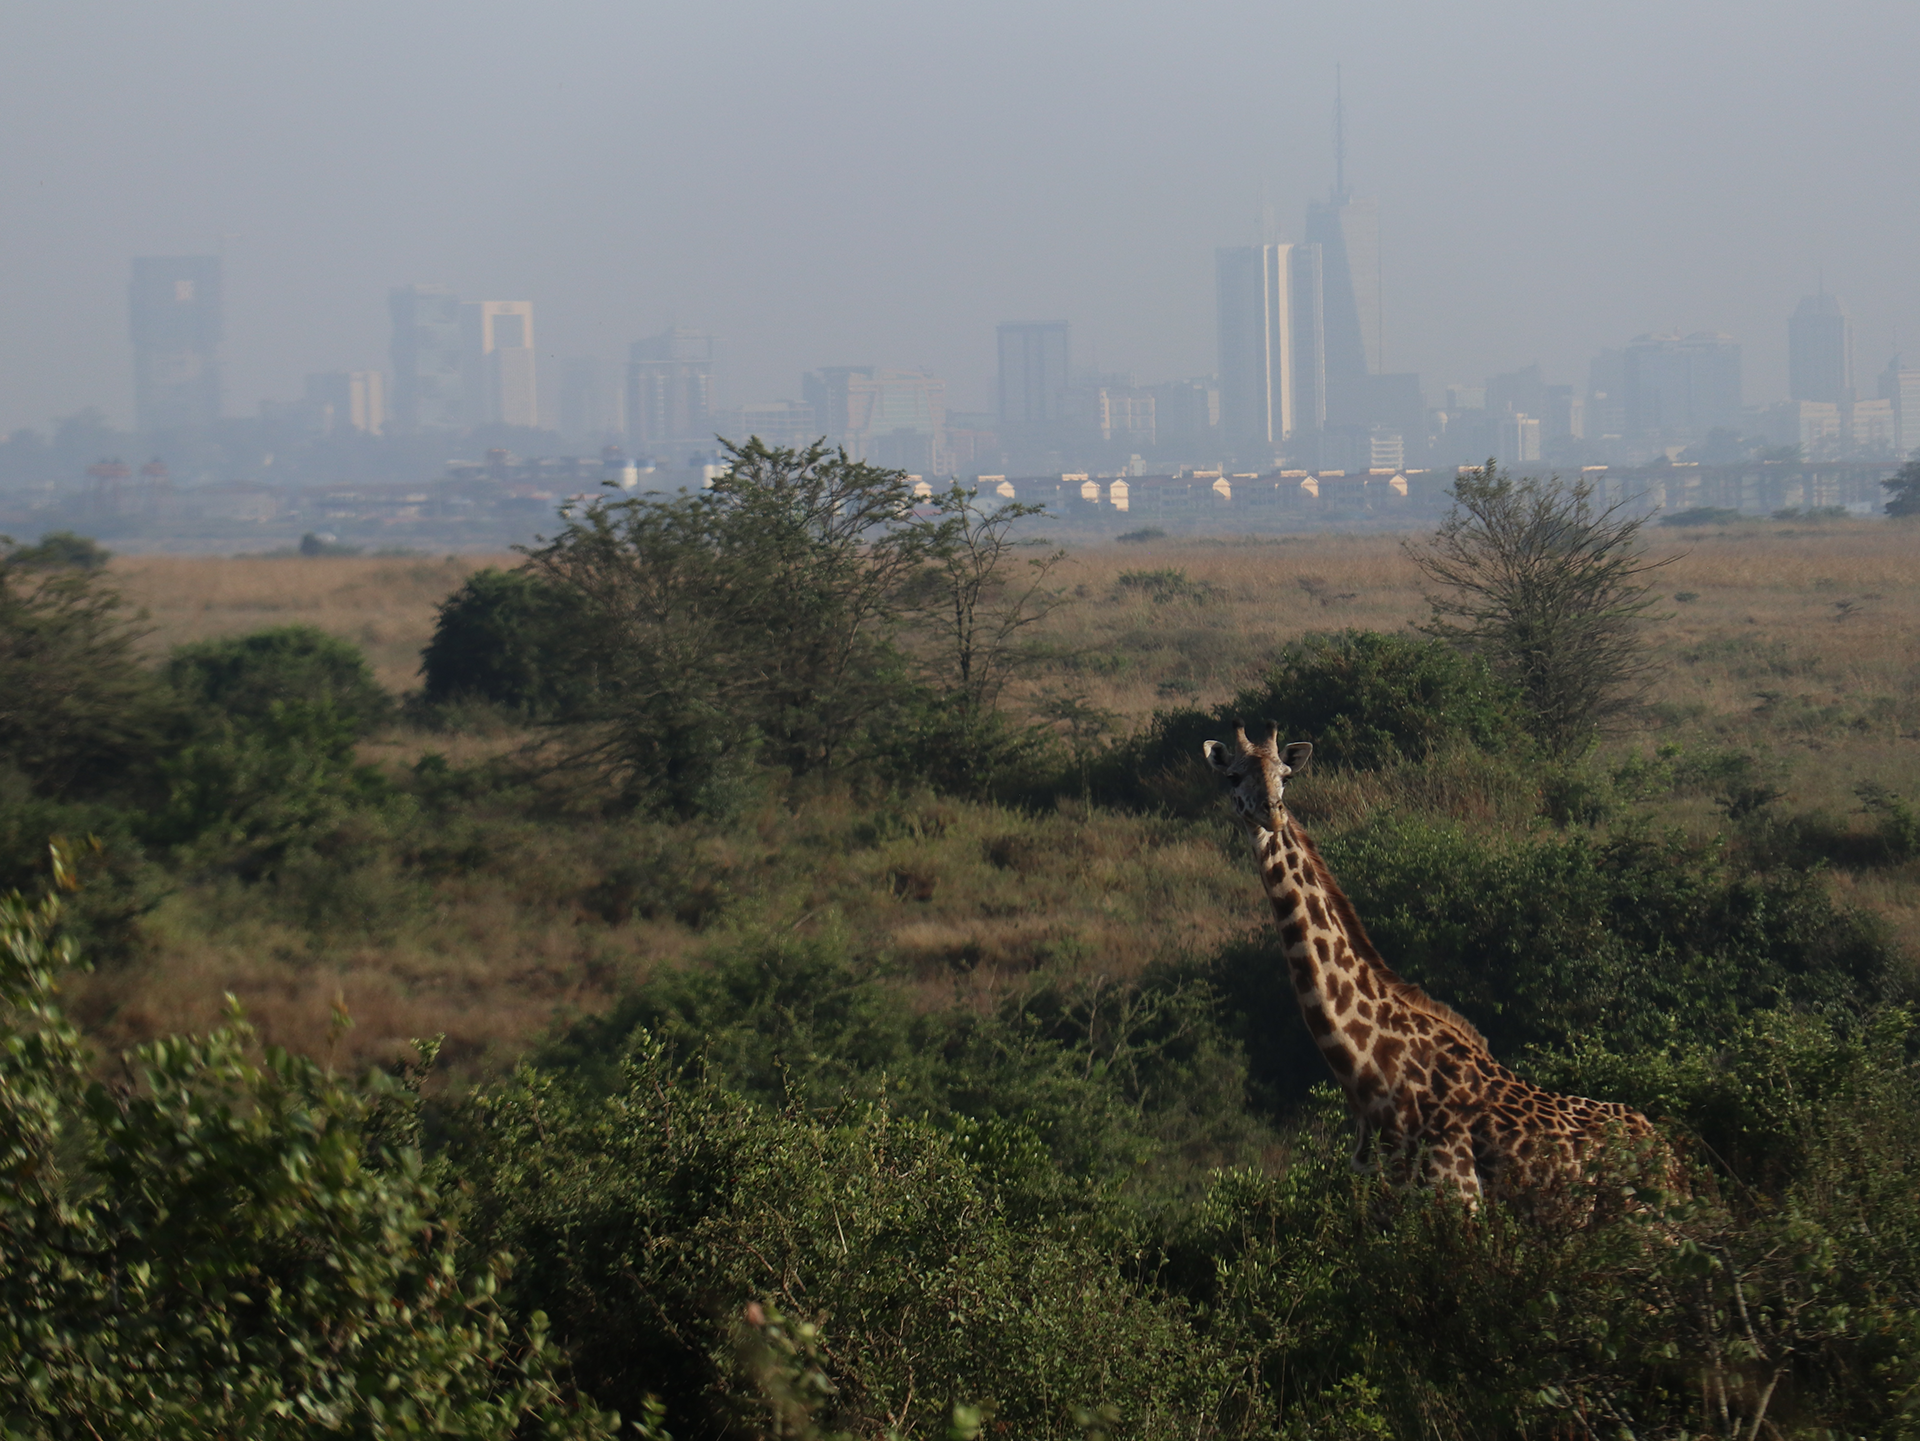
pixel 1301 401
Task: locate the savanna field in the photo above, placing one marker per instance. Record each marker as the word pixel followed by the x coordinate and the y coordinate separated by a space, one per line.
pixel 907 1052
pixel 1795 645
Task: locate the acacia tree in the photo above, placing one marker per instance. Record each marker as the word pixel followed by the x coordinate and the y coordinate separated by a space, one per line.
pixel 1550 587
pixel 749 620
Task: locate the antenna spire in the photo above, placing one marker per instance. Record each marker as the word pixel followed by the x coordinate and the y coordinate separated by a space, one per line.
pixel 1339 141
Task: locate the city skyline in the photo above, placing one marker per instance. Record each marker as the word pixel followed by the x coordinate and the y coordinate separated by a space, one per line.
pixel 1547 186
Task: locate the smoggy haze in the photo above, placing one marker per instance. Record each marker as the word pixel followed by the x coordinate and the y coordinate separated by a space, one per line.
pixel 833 184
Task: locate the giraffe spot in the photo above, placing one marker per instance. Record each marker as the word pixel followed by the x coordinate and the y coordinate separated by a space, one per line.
pixel 1293 933
pixel 1361 1036
pixel 1285 904
pixel 1363 1009
pixel 1342 996
pixel 1317 911
pixel 1318 1023
pixel 1363 978
pixel 1387 1051
pixel 1338 1058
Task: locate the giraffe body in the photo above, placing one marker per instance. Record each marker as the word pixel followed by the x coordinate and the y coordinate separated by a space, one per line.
pixel 1418 1077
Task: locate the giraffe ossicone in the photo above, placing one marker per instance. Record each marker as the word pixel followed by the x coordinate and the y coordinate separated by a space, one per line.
pixel 1419 1079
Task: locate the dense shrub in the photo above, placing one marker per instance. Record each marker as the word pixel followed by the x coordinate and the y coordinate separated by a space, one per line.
pixel 1631 943
pixel 511 640
pixel 233 1246
pixel 748 626
pixel 242 679
pixel 1104 1082
pixel 79 714
pixel 1365 699
pixel 649 1218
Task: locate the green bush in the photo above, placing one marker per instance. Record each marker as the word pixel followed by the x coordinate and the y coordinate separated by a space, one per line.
pixel 1542 940
pixel 648 1219
pixel 241 679
pixel 58 550
pixel 79 715
pixel 510 639
pixel 234 1246
pixel 1365 699
pixel 1104 1085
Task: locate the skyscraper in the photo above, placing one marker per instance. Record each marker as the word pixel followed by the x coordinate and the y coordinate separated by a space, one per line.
pixel 591 399
pixel 1307 335
pixel 893 418
pixel 670 391
pixel 345 400
pixel 1255 315
pixel 1348 234
pixel 1820 351
pixel 175 320
pixel 1678 389
pixel 429 370
pixel 1272 353
pixel 498 355
pixel 1034 373
pixel 1902 386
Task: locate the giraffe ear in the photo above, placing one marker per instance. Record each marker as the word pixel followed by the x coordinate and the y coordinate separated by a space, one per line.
pixel 1296 756
pixel 1216 755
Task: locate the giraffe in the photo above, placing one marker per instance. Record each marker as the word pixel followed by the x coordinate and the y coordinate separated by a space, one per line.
pixel 1418 1077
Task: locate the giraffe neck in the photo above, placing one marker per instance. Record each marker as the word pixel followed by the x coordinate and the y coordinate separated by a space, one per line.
pixel 1345 991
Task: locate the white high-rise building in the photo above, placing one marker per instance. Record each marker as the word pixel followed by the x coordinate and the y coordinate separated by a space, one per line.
pixel 1272 343
pixel 500 356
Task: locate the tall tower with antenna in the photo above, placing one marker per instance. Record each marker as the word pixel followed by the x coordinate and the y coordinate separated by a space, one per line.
pixel 1341 195
pixel 1347 231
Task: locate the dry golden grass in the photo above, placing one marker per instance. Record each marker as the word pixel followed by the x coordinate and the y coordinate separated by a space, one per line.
pixel 1798 644
pixel 384 605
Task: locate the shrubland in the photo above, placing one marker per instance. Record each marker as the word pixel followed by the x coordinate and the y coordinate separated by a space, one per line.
pixel 855 1015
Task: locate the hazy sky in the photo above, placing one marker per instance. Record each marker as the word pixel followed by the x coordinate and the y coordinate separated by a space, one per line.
pixel 879 183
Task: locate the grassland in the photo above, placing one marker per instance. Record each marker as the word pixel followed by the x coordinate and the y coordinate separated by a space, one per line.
pixel 1794 642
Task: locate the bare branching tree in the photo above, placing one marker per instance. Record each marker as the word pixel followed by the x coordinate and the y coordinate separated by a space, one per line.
pixel 1550 587
pixel 974 597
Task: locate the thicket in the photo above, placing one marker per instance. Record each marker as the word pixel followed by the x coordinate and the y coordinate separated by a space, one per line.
pixel 797 1187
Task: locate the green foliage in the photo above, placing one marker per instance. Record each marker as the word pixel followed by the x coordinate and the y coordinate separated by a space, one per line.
pixel 79 716
pixel 1903 490
pixel 1632 939
pixel 512 640
pixel 1549 587
pixel 244 794
pixel 1365 699
pixel 249 679
pixel 745 625
pixel 647 1218
pixel 267 762
pixel 57 550
pixel 1102 1078
pixel 979 587
pixel 234 1246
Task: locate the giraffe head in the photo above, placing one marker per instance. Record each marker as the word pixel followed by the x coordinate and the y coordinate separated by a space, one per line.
pixel 1256 774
